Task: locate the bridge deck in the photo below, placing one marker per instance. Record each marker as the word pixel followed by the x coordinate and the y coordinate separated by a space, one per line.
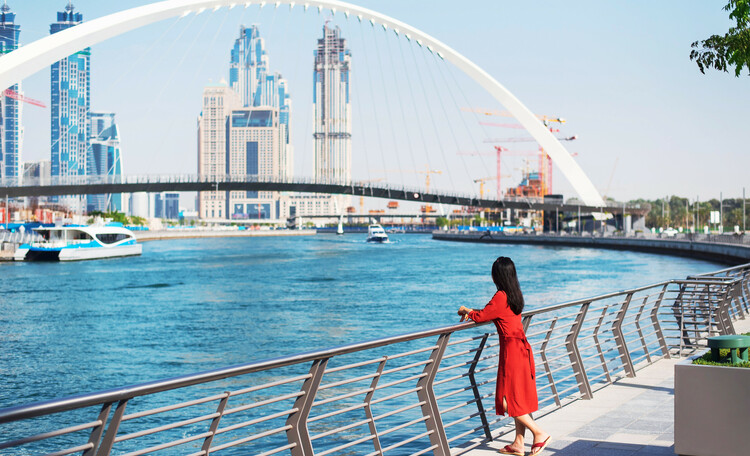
pixel 634 416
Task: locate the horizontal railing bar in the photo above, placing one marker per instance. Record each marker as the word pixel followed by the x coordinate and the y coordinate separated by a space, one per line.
pixel 413 352
pixel 382 386
pixel 169 408
pixel 407 366
pixel 346 445
pixel 465 433
pixel 451 379
pixel 397 411
pixel 404 425
pixel 288 446
pixel 339 429
pixel 323 416
pixel 352 366
pixel 71 450
pixel 462 341
pixel 347 381
pixel 342 397
pixel 455 366
pixel 50 434
pixel 421 452
pixel 461 390
pixel 462 419
pixel 457 406
pixel 461 353
pixel 395 395
pixel 165 427
pixel 251 438
pixel 409 440
pixel 272 400
pixel 171 444
pixel 254 421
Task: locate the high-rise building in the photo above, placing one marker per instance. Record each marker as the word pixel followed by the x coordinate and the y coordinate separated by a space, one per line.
pixel 104 159
pixel 71 101
pixel 10 108
pixel 332 116
pixel 255 139
pixel 219 100
pixel 251 78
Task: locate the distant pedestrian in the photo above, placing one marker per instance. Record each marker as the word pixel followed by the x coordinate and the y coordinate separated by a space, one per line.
pixel 515 391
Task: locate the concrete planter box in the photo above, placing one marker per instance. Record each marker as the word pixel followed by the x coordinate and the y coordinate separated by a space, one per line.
pixel 711 409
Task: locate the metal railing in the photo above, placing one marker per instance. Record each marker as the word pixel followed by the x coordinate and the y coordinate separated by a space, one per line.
pixel 425 392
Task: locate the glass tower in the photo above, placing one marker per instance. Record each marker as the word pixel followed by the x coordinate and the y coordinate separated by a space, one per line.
pixel 251 78
pixel 71 101
pixel 10 109
pixel 332 108
pixel 104 159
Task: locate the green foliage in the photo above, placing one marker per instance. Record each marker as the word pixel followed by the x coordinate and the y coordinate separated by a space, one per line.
pixel 673 212
pixel 114 216
pixel 732 49
pixel 726 360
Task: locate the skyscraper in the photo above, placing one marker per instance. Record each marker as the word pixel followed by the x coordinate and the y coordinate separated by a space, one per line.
pixel 104 159
pixel 332 109
pixel 71 101
pixel 10 108
pixel 251 78
pixel 218 102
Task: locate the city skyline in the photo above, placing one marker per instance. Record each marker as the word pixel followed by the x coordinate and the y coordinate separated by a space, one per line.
pixel 617 138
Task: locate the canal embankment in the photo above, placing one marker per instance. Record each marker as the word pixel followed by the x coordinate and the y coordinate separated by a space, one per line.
pixel 163 235
pixel 730 250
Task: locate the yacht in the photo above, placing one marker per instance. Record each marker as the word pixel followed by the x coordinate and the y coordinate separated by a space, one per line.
pixel 82 242
pixel 376 233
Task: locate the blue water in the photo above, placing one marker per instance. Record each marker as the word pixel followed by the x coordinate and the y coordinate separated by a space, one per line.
pixel 191 305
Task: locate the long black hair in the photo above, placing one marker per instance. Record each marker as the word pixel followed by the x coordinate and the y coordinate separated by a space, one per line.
pixel 505 278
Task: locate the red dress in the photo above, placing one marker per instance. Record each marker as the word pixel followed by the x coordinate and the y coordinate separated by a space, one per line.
pixel 515 372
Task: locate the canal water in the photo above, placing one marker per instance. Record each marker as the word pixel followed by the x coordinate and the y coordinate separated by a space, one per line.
pixel 197 304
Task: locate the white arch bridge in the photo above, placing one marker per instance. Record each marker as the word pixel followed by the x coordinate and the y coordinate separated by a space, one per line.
pixel 94 185
pixel 37 55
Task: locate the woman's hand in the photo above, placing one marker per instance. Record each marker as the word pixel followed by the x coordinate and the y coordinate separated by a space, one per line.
pixel 464 312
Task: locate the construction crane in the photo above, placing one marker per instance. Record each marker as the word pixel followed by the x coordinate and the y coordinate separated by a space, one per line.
pixel 482 180
pixel 427 172
pixel 499 150
pixel 492 112
pixel 525 139
pixel 17 96
pixel 518 126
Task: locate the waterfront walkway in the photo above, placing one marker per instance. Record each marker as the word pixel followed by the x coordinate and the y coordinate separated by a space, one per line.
pixel 634 416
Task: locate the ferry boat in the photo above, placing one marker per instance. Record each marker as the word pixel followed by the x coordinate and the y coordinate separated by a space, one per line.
pixel 70 243
pixel 376 233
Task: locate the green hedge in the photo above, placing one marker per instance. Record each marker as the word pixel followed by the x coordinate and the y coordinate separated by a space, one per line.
pixel 726 360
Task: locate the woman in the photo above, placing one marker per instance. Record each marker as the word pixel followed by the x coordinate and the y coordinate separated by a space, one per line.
pixel 515 392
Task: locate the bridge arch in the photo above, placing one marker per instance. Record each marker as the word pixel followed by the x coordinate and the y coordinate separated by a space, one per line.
pixel 35 56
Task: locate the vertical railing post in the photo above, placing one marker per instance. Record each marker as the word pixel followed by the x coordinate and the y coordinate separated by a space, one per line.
pixel 640 330
pixel 215 424
pixel 368 409
pixel 622 346
pixel 571 342
pixel 602 358
pixel 724 302
pixel 657 326
pixel 426 395
pixel 97 431
pixel 545 362
pixel 109 437
pixel 475 388
pixel 299 434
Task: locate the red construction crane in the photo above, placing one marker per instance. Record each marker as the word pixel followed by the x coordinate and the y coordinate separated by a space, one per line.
pixel 17 96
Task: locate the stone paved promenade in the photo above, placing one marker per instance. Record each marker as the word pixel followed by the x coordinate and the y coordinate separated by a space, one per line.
pixel 634 416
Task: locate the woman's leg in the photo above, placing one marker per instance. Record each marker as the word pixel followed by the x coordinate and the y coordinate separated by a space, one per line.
pixel 517 444
pixel 528 422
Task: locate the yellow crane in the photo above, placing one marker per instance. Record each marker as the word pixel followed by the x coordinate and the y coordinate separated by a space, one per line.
pixel 427 172
pixel 362 198
pixel 482 180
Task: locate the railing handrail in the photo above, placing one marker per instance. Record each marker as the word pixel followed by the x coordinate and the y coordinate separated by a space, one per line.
pixel 156 386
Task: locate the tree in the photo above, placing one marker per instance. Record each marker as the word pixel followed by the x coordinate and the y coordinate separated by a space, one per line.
pixel 732 49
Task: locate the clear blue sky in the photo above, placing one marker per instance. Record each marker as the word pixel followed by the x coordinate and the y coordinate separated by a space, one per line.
pixel 649 123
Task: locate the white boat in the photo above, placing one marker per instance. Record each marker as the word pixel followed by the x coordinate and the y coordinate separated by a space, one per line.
pixel 376 233
pixel 70 243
